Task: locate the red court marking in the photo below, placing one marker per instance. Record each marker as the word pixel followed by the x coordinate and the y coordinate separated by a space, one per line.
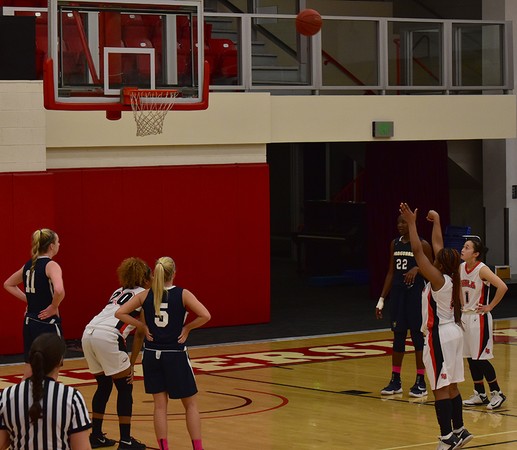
pixel 247 403
pixel 271 358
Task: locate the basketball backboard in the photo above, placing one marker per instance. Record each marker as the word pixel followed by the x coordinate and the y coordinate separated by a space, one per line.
pixel 95 49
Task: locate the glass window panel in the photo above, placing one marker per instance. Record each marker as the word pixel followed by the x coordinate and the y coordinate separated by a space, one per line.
pixel 415 54
pixel 350 53
pixel 279 54
pixel 222 35
pixel 478 51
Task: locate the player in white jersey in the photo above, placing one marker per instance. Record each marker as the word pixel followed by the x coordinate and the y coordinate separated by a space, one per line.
pixel 476 279
pixel 441 320
pixel 104 346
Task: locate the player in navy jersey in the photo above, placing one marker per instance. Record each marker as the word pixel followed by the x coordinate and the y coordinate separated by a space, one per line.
pixel 441 324
pixel 43 290
pixel 104 346
pixel 40 413
pixel 404 284
pixel 476 279
pixel 167 369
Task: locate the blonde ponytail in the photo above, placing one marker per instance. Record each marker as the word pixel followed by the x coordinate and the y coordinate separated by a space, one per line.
pixel 41 240
pixel 163 272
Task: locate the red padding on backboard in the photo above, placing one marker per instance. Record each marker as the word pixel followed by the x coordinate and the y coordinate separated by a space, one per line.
pixel 50 102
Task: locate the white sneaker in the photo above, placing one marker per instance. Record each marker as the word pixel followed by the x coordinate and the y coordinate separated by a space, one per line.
pixel 476 399
pixel 496 400
pixel 449 443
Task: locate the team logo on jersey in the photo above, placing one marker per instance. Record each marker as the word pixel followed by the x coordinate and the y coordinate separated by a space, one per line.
pixel 487 351
pixel 443 376
pixel 402 253
pixel 468 284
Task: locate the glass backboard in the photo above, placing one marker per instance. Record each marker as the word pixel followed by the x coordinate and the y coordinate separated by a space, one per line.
pixel 95 49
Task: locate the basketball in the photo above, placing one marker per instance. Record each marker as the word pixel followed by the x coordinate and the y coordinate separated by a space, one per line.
pixel 308 22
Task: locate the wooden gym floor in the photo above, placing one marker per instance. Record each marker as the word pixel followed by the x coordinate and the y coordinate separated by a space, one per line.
pixel 311 393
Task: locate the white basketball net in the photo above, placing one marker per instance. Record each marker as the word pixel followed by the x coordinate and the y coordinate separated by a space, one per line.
pixel 150 113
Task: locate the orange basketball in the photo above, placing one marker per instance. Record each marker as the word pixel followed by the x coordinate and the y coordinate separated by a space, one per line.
pixel 308 22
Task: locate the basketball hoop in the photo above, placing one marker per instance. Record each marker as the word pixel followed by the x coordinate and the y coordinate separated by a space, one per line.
pixel 150 106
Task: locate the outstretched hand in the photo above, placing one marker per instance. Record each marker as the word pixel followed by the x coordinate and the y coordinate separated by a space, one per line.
pixel 408 215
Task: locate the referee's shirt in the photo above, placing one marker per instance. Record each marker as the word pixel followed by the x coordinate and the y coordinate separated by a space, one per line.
pixel 64 412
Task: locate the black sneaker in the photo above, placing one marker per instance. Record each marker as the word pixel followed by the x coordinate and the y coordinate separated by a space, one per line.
pixel 418 390
pixel 394 387
pixel 464 436
pixel 133 444
pixel 101 441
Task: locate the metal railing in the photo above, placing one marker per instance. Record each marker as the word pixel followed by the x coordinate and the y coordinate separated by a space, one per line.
pixel 358 55
pixel 366 55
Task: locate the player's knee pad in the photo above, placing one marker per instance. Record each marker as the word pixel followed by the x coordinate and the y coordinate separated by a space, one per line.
pixel 399 342
pixel 102 394
pixel 418 340
pixel 124 398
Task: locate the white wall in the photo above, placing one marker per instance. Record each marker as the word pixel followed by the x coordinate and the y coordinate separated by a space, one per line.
pixel 236 127
pixel 415 117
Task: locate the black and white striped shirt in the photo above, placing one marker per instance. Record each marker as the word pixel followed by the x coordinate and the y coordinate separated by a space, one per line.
pixel 64 412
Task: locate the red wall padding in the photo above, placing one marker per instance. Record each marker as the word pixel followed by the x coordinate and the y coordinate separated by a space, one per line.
pixel 27 203
pixel 213 220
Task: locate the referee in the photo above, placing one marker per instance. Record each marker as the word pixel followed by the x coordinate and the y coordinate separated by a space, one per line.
pixel 40 413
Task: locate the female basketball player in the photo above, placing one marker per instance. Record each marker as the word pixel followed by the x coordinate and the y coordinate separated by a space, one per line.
pixel 44 290
pixel 404 284
pixel 167 369
pixel 441 314
pixel 104 346
pixel 39 412
pixel 476 279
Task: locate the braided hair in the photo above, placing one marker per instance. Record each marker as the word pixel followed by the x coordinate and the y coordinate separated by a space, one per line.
pixel 449 260
pixel 45 355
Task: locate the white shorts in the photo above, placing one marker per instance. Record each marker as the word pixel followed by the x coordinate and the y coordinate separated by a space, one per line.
pixel 443 357
pixel 103 353
pixel 478 342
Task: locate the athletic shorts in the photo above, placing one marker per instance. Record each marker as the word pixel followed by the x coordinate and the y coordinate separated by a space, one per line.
pixel 478 341
pixel 105 351
pixel 406 308
pixel 443 355
pixel 33 327
pixel 168 371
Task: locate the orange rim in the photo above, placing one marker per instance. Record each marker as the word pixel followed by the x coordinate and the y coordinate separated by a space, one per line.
pixel 127 91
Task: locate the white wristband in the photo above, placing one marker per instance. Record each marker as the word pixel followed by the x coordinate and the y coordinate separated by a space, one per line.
pixel 380 303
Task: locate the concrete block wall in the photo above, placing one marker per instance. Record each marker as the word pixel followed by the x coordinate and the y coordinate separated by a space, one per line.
pixel 22 126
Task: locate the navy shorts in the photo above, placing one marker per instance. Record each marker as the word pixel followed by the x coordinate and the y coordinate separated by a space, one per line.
pixel 406 307
pixel 168 371
pixel 33 327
